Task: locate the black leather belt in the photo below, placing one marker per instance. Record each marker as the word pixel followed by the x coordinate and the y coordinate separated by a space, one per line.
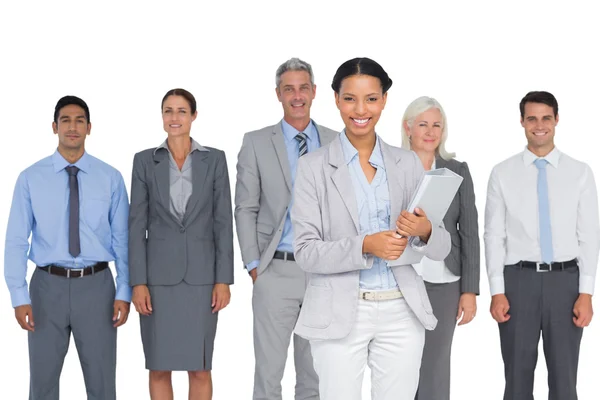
pixel 74 272
pixel 543 267
pixel 284 255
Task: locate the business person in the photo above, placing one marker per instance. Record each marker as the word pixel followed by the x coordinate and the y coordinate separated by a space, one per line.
pixel 266 171
pixel 348 215
pixel 541 245
pixel 453 283
pixel 75 208
pixel 180 250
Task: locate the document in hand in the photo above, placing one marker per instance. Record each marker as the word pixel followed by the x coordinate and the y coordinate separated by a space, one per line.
pixel 433 195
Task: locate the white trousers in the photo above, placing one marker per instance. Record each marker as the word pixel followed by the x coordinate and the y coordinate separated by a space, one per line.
pixel 389 338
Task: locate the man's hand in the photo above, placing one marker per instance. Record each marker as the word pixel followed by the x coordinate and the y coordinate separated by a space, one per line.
pixel 141 299
pixel 24 316
pixel 254 274
pixel 583 310
pixel 467 308
pixel 499 308
pixel 221 296
pixel 415 224
pixel 385 245
pixel 120 312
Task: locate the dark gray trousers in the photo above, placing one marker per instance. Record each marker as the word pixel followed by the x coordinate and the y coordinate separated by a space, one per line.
pixel 540 302
pixel 84 307
pixel 434 379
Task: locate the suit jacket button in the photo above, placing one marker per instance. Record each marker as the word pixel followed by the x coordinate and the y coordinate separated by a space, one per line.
pixel 182 230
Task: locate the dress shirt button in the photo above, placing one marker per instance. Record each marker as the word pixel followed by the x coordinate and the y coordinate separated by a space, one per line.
pixel 182 230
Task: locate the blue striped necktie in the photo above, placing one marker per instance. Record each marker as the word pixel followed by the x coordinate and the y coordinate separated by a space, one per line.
pixel 544 212
pixel 302 145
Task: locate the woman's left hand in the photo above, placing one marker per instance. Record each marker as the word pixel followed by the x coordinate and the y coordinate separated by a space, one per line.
pixel 467 308
pixel 220 297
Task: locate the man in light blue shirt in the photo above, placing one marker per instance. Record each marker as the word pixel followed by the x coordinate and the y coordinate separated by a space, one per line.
pixel 75 208
pixel 263 197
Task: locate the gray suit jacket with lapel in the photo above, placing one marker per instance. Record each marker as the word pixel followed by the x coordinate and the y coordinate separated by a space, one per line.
pixel 329 247
pixel 461 222
pixel 263 191
pixel 164 251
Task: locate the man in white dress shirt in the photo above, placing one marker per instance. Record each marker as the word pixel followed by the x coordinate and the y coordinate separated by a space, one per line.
pixel 541 246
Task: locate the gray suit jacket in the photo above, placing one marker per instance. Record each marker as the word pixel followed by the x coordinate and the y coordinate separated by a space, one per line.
pixel 461 222
pixel 263 191
pixel 164 251
pixel 328 246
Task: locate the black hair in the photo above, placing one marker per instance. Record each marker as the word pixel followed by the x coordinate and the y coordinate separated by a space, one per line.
pixel 361 66
pixel 71 100
pixel 539 97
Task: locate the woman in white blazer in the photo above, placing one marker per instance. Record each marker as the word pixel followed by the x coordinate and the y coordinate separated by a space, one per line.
pixel 350 223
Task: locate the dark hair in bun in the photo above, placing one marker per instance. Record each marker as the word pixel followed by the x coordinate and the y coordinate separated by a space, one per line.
pixel 361 66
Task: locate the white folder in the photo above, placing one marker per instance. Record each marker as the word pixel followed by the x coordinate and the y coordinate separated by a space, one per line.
pixel 434 196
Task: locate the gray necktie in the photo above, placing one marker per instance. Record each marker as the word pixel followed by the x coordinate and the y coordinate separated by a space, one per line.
pixel 74 245
pixel 302 145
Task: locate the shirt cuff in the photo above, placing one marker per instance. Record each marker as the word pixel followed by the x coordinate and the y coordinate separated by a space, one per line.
pixel 252 265
pixel 497 285
pixel 586 284
pixel 20 297
pixel 417 244
pixel 123 293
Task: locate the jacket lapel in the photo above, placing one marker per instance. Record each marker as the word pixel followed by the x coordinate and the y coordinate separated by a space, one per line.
pixel 279 144
pixel 395 178
pixel 162 178
pixel 326 136
pixel 199 174
pixel 342 180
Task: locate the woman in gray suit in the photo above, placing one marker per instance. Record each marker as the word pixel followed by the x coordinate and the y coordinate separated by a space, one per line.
pixel 360 308
pixel 453 283
pixel 180 250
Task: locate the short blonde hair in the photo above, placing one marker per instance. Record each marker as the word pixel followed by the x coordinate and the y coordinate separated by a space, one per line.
pixel 418 107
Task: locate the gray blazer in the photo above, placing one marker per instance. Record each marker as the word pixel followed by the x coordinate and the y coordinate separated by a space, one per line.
pixel 328 246
pixel 263 191
pixel 461 222
pixel 164 251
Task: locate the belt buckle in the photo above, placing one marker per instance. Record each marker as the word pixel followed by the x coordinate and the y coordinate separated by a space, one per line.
pixel 364 295
pixel 537 267
pixel 75 269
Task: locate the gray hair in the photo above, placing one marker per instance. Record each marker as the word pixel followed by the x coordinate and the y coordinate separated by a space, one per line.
pixel 418 107
pixel 294 64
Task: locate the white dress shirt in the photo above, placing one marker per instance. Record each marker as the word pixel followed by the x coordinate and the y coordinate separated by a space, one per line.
pixel 434 271
pixel 512 223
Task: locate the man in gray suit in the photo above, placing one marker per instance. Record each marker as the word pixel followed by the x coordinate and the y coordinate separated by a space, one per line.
pixel 265 177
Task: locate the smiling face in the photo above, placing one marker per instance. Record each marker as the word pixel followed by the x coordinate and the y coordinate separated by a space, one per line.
pixel 177 116
pixel 72 128
pixel 360 101
pixel 539 123
pixel 426 130
pixel 296 93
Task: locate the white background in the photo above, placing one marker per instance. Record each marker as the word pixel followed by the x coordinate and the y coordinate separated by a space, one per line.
pixel 478 59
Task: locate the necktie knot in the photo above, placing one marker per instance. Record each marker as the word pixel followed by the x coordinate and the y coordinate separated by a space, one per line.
pixel 301 136
pixel 72 170
pixel 540 163
pixel 302 145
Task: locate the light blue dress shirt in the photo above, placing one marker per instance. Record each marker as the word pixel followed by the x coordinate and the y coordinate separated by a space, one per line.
pixel 373 201
pixel 293 147
pixel 40 208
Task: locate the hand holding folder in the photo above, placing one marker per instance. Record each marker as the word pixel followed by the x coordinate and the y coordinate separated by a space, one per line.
pixel 434 196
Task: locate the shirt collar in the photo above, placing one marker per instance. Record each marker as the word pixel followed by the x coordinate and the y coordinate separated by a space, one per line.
pixel 59 162
pixel 195 146
pixel 552 157
pixel 289 132
pixel 350 151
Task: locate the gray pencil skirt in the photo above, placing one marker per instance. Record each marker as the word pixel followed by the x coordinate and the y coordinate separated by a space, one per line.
pixel 180 333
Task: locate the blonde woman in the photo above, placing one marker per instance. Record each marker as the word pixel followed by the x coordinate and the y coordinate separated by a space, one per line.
pixel 452 284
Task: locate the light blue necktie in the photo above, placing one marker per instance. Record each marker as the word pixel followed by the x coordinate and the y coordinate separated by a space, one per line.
pixel 544 212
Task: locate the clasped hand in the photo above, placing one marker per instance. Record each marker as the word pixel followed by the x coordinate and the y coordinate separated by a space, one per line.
pixel 416 224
